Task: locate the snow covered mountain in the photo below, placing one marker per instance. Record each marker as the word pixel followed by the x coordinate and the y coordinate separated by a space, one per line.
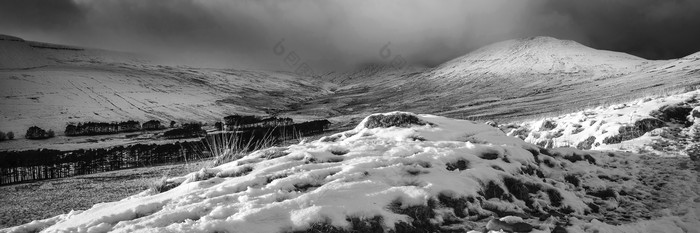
pixel 525 77
pixel 540 55
pixel 401 172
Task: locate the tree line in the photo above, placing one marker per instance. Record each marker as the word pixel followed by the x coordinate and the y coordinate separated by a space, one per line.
pixel 188 130
pixel 100 128
pixel 7 136
pixel 242 122
pixel 20 166
pixel 28 165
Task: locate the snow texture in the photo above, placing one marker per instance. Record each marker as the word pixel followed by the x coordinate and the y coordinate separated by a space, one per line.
pixel 589 129
pixel 464 172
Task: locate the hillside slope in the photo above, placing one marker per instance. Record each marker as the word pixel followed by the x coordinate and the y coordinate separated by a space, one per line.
pixel 52 96
pixel 50 85
pixel 400 172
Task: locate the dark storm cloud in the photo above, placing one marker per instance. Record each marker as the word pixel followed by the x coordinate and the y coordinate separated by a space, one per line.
pixel 655 29
pixel 18 15
pixel 342 34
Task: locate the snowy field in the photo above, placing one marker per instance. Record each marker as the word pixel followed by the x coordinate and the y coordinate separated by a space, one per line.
pixel 402 172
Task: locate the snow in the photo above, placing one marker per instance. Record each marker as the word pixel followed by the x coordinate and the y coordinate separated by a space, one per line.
pixel 541 55
pixel 362 173
pixel 603 122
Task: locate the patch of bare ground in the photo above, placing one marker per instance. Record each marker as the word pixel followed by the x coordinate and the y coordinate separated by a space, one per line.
pixel 22 203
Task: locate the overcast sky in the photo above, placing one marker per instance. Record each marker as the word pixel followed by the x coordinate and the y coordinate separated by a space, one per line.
pixel 335 34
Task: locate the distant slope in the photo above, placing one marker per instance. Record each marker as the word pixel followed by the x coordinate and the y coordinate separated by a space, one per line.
pixel 50 85
pixel 689 64
pixel 17 53
pixel 515 79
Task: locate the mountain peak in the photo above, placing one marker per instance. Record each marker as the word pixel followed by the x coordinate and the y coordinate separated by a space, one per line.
pixel 540 55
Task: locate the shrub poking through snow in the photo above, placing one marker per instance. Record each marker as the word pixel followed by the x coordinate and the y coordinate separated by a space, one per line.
pixel 460 164
pixel 161 185
pixel 639 128
pixel 241 171
pixel 394 120
pixel 676 113
pixel 421 216
pixel 586 144
pixel 548 125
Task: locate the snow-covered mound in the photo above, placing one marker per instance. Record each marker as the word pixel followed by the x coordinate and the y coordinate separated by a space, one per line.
pixel 662 125
pixel 541 55
pixel 400 172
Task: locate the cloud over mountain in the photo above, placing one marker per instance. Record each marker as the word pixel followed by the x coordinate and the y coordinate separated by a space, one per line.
pixel 342 34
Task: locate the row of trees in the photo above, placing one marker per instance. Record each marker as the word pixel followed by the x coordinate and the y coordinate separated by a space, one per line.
pixel 188 130
pixel 99 128
pixel 19 166
pixel 7 136
pixel 242 122
pixel 35 133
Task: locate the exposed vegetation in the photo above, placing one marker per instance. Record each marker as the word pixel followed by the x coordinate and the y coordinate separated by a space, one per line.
pixel 243 122
pixel 7 136
pixel 99 128
pixel 188 130
pixel 639 128
pixel 36 133
pixel 393 120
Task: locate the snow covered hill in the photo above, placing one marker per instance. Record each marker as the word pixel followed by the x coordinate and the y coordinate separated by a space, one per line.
pixel 540 55
pixel 400 172
pixel 520 78
pixel 690 63
pixel 50 85
pixel 52 96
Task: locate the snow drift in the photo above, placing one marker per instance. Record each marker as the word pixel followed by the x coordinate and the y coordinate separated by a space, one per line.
pixel 396 172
